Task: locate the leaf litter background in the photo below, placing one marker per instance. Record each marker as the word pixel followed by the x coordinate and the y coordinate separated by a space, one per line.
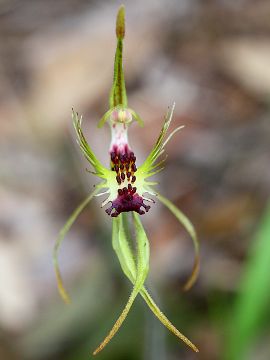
pixel 211 58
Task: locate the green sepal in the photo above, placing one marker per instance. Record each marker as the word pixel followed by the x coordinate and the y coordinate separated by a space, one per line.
pixel 183 219
pixel 126 258
pixel 164 320
pixel 118 94
pixel 122 247
pixel 140 269
pixel 120 23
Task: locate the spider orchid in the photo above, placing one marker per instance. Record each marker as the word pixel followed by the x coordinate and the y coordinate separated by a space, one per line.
pixel 127 189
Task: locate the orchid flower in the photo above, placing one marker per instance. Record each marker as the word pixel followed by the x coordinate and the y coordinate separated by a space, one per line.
pixel 128 190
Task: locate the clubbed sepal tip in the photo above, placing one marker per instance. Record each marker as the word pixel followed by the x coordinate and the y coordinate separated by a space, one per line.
pixel 120 23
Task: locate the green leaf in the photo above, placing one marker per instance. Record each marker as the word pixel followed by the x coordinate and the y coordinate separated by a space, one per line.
pixel 182 218
pixel 61 236
pixel 252 302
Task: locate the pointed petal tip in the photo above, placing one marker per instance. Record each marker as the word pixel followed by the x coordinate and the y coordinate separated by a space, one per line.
pixel 62 291
pixel 66 299
pixel 193 276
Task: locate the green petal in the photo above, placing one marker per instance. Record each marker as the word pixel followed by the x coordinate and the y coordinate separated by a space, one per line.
pixel 61 236
pixel 137 118
pixel 190 229
pixel 104 118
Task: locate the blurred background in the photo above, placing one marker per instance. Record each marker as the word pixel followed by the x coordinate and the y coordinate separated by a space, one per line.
pixel 210 57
